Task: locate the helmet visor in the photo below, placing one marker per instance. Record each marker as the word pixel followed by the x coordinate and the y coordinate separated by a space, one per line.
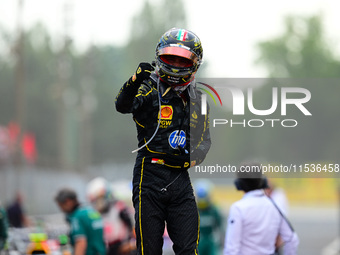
pixel 179 51
pixel 176 61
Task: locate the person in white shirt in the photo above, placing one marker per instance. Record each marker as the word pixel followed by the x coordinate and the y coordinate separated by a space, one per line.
pixel 255 222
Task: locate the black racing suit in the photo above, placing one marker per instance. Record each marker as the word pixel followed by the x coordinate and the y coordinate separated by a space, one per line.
pixel 162 190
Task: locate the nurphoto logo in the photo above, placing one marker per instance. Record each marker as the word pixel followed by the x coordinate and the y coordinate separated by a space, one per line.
pixel 244 100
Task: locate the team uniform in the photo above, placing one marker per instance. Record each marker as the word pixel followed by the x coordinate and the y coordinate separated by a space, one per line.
pixel 254 224
pixel 162 189
pixel 172 136
pixel 210 219
pixel 85 222
pixel 117 226
pixel 210 225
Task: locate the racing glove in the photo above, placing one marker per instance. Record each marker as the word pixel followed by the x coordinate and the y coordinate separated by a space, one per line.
pixel 197 156
pixel 143 72
pixel 124 99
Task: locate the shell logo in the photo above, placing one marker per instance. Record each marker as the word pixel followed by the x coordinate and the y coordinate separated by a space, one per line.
pixel 166 112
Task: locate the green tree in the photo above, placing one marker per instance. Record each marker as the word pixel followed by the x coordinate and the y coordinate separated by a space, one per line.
pixel 6 79
pixel 300 57
pixel 302 52
pixel 147 27
pixel 94 130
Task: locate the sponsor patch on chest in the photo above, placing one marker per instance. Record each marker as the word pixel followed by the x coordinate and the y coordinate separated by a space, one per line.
pixel 167 113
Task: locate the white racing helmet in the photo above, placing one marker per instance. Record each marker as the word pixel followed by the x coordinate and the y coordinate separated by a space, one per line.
pixel 99 193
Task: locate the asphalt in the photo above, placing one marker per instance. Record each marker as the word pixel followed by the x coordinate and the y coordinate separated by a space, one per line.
pixel 316 227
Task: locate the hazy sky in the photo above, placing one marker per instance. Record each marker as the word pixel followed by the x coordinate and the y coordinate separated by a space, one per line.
pixel 229 30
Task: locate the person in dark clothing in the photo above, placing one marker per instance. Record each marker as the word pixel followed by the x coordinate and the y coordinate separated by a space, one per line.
pixel 172 137
pixel 15 213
